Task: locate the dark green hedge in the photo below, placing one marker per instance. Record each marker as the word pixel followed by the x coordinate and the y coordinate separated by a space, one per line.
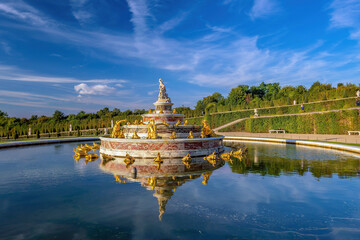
pixel 320 123
pixel 219 119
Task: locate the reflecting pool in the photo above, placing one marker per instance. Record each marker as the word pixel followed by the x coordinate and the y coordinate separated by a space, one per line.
pixel 275 192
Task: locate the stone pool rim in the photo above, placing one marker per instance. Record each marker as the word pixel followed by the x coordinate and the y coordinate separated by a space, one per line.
pixel 346 148
pixel 335 146
pixel 47 141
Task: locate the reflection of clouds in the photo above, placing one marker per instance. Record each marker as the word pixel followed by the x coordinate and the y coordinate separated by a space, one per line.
pixel 230 204
pixel 44 165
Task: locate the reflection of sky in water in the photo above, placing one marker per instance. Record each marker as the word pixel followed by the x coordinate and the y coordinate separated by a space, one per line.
pixel 45 193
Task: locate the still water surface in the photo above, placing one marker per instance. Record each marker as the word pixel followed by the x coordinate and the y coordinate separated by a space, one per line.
pixel 276 192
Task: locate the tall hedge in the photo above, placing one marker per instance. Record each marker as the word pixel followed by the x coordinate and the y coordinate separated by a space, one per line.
pixel 319 123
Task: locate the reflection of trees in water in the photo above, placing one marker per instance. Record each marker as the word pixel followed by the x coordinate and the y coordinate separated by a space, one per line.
pixel 275 166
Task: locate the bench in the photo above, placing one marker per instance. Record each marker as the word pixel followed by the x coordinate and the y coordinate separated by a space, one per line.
pixel 277 131
pixel 354 132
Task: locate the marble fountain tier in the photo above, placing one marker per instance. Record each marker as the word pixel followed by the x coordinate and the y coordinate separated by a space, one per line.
pixel 161 132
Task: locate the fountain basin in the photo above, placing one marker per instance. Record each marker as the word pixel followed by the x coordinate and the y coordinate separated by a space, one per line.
pixel 169 148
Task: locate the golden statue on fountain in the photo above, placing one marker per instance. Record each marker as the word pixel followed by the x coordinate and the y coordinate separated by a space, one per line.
pixel 152 131
pixel 117 131
pixel 206 130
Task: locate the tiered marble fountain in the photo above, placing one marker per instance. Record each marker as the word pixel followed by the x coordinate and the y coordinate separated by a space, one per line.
pixel 162 151
pixel 162 134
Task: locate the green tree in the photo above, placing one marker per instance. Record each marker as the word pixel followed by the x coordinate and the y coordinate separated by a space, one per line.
pixel 3 114
pixel 58 116
pixel 237 95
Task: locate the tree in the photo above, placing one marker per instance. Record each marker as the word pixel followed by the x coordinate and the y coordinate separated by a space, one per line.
pixel 115 112
pixel 127 112
pixel 33 118
pixel 3 114
pixel 58 116
pixel 103 112
pixel 237 95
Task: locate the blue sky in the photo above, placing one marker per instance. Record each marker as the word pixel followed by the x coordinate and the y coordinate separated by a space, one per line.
pixel 75 55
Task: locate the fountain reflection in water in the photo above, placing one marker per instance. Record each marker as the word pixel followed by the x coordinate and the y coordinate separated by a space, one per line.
pixel 163 181
pixel 163 177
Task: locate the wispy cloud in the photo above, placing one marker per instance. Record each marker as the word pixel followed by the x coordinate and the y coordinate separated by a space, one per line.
pixel 19 10
pixel 80 11
pixel 263 8
pixel 31 96
pixel 11 73
pixel 346 14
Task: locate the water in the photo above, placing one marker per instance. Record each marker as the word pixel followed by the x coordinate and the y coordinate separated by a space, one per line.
pixel 277 192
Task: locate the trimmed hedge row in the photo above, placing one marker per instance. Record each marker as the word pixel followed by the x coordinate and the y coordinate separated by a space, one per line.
pixel 319 123
pixel 311 107
pixel 221 119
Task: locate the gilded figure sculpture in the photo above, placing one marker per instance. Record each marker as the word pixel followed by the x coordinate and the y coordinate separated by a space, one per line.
pixel 128 160
pixel 240 152
pixel 211 159
pixel 136 122
pixel 173 135
pixel 206 130
pixel 117 132
pixel 152 131
pixel 226 156
pixel 178 123
pixel 165 123
pixel 186 122
pixel 135 136
pixel 191 135
pixel 187 160
pixel 96 146
pixel 158 160
pixel 91 157
pixel 174 111
pixel 118 179
pixel 152 182
pixel 206 177
pixel 161 111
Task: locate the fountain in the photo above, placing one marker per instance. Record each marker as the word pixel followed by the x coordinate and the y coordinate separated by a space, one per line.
pixel 162 134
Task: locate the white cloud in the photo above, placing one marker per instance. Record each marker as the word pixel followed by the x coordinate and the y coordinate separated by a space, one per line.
pixel 263 8
pixel 84 89
pixel 32 96
pixel 12 73
pixel 346 14
pixel 80 11
pixel 19 10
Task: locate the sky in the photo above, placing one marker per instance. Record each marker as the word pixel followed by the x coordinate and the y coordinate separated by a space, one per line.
pixel 83 55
